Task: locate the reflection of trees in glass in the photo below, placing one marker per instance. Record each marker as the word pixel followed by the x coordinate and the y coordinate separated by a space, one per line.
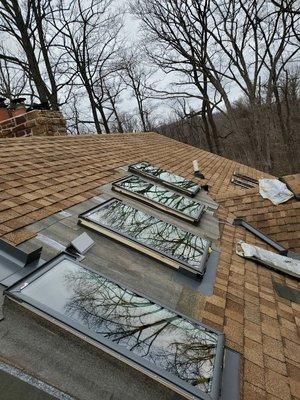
pixel 148 230
pixel 161 195
pixel 163 338
pixel 166 176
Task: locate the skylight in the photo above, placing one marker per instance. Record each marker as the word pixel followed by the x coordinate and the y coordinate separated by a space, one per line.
pixel 161 240
pixel 160 197
pixel 175 181
pixel 181 353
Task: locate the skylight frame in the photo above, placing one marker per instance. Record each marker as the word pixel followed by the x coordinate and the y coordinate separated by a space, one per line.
pixel 83 219
pixel 163 182
pixel 117 351
pixel 116 187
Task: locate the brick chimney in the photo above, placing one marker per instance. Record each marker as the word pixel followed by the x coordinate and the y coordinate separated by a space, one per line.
pixel 34 123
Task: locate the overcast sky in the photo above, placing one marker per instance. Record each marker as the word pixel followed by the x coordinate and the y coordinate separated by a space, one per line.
pixel 132 33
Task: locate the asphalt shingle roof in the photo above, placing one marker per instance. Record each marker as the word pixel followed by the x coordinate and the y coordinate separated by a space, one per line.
pixel 40 176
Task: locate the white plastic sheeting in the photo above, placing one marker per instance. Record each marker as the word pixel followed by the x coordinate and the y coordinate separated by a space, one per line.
pixel 276 261
pixel 274 190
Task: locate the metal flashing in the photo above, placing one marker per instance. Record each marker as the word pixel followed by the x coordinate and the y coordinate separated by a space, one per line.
pixel 287 292
pixel 17 385
pixel 231 375
pixel 14 260
pixel 241 222
pixel 290 254
pixel 77 247
pixel 65 214
pixel 206 285
pixel 50 242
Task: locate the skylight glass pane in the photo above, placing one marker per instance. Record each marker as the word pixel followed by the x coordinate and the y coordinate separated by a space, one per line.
pixel 167 341
pixel 158 195
pixel 170 240
pixel 178 182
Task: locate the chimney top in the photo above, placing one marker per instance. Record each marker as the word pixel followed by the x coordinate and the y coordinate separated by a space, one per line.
pixel 18 100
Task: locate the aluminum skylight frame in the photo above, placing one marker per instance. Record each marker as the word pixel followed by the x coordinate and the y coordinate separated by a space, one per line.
pixel 120 352
pixel 83 219
pixel 156 204
pixel 166 183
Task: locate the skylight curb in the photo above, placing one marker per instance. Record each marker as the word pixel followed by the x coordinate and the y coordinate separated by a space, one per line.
pixel 168 209
pixel 109 347
pixel 83 219
pixel 164 182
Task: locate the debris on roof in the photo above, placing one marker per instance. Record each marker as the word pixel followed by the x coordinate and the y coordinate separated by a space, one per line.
pixel 274 190
pixel 243 180
pixel 284 264
pixel 293 183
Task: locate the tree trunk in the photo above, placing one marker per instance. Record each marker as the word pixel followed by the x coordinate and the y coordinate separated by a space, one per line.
pixel 53 98
pixel 41 87
pixel 103 117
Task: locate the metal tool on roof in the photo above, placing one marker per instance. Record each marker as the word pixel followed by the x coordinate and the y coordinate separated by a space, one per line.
pixel 15 264
pixel 242 183
pixel 245 177
pixel 243 180
pixel 277 246
pixel 258 233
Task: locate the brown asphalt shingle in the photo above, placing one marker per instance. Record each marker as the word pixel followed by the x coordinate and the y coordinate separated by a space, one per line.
pixel 40 176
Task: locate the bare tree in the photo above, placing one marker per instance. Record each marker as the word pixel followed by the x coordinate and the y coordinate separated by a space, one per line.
pixel 28 45
pixel 113 90
pixel 90 41
pixel 178 41
pixel 137 78
pixel 217 45
pixel 13 80
pixel 257 42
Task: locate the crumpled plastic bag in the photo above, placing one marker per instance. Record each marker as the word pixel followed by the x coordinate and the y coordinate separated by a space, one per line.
pixel 274 190
pixel 284 264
